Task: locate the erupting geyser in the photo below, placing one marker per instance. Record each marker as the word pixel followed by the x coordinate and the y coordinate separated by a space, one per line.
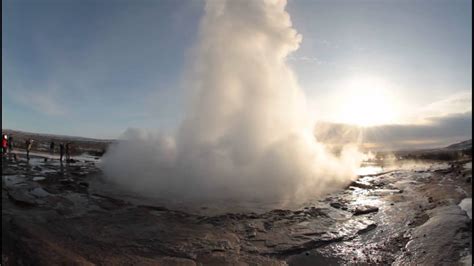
pixel 247 133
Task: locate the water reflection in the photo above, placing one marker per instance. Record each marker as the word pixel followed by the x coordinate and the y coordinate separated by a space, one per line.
pixel 369 170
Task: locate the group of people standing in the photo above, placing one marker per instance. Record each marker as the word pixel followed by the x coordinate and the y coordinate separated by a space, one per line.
pixel 64 149
pixel 8 145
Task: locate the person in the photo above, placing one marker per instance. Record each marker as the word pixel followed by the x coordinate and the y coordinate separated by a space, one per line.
pixel 61 152
pixel 68 155
pixel 29 144
pixel 4 144
pixel 10 144
pixel 51 148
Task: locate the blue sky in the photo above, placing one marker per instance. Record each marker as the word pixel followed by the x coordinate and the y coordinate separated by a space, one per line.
pixel 95 68
pixel 423 48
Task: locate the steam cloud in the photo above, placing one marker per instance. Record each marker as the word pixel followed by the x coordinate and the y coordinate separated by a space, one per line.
pixel 248 133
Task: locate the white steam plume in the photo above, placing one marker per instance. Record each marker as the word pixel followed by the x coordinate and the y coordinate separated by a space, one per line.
pixel 248 133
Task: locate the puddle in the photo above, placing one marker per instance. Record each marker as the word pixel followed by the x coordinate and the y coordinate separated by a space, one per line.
pixel 13 180
pixel 369 170
pixel 39 192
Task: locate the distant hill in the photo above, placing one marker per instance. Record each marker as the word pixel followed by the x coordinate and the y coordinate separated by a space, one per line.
pixel 467 144
pixel 42 142
pixel 460 150
pixel 53 136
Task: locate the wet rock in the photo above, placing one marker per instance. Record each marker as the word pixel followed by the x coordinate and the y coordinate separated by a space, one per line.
pixel 360 210
pixel 79 174
pixel 314 258
pixel 39 178
pixel 13 181
pixel 300 212
pixel 8 171
pixel 337 205
pixel 361 184
pixel 287 250
pixel 21 198
pixel 252 234
pixel 172 261
pixel 279 212
pixel 369 227
pixel 315 212
pixel 66 181
pixel 446 232
pixel 267 225
pixel 39 192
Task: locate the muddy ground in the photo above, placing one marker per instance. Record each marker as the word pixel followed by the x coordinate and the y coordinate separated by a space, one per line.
pixel 55 213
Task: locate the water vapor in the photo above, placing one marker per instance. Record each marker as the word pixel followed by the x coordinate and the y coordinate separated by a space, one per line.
pixel 247 133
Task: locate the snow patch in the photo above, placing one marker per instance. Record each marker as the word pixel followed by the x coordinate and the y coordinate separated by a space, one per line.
pixel 466 205
pixel 468 165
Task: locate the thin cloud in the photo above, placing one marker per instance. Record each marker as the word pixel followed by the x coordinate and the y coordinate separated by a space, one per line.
pixel 306 58
pixel 440 131
pixel 457 103
pixel 327 43
pixel 45 101
pixel 311 60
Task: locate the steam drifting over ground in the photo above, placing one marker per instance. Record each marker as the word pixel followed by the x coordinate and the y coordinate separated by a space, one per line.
pixel 247 133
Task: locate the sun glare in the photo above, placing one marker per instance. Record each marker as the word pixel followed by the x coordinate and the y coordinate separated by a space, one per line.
pixel 367 102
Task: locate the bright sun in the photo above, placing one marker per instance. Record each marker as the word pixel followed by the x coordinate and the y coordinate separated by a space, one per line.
pixel 367 102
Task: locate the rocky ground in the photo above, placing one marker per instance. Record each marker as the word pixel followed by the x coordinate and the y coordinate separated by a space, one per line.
pixel 55 213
